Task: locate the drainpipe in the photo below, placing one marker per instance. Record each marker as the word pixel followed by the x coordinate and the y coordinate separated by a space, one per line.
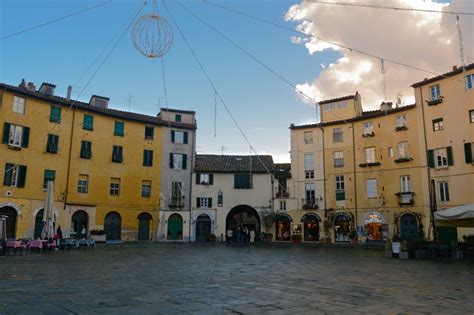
pixel 191 186
pixel 324 171
pixel 69 156
pixel 355 175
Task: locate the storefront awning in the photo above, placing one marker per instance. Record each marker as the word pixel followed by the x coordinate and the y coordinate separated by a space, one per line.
pixel 346 215
pixel 282 217
pixel 373 217
pixel 310 216
pixel 462 216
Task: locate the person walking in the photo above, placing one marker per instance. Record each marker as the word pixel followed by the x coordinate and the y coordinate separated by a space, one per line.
pixel 230 233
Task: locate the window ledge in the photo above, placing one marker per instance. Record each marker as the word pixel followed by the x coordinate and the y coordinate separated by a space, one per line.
pixel 310 207
pixel 435 102
pixel 370 164
pixel 444 167
pixel 14 147
pixel 405 159
pixel 401 128
pixel 366 135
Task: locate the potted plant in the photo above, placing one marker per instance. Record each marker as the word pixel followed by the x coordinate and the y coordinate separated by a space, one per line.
pixel 212 238
pixel 296 238
pixel 403 250
pixel 388 248
pixel 98 236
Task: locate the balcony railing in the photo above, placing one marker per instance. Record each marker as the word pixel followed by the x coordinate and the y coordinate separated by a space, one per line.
pixel 310 204
pixel 176 202
pixel 405 198
pixel 283 193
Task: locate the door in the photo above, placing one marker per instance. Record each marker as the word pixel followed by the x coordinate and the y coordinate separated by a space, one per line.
pixel 38 224
pixel 175 227
pixel 112 226
pixel 80 224
pixel 203 228
pixel 10 222
pixel 409 227
pixel 144 227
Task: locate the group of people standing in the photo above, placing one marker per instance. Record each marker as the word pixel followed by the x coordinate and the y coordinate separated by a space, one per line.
pixel 242 235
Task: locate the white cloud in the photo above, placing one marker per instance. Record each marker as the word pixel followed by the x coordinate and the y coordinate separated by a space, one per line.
pixel 424 40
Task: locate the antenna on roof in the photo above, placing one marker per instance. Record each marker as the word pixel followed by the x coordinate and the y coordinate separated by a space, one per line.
pixel 130 96
pixel 382 70
pixel 223 149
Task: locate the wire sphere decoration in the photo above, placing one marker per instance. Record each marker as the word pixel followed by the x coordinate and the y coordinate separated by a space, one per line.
pixel 152 35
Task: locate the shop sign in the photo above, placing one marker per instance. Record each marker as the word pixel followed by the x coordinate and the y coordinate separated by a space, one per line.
pixel 373 217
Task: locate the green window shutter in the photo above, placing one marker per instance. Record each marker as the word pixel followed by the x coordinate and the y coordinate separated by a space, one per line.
pixel 171 160
pixel 468 152
pixel 21 176
pixel 211 179
pixel 6 132
pixel 209 202
pixel 7 178
pixel 55 114
pixel 88 122
pixel 198 178
pixel 185 158
pixel 340 195
pixel 178 118
pixel 25 138
pixel 430 158
pixel 119 128
pixel 185 137
pixel 172 136
pixel 120 154
pixel 449 150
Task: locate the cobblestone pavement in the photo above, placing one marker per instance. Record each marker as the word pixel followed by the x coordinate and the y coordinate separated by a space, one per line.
pixel 202 279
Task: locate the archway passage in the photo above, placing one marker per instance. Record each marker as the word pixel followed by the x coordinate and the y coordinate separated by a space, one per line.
pixel 242 217
pixel 10 221
pixel 311 227
pixel 113 226
pixel 409 227
pixel 175 227
pixel 203 228
pixel 342 227
pixel 80 224
pixel 38 224
pixel 144 220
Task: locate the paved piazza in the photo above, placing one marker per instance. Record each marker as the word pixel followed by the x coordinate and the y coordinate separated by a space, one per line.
pixel 215 278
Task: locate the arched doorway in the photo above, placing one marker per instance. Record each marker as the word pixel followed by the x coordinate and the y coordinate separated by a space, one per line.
pixel 311 227
pixel 342 223
pixel 175 227
pixel 80 224
pixel 38 224
pixel 283 227
pixel 112 226
pixel 203 228
pixel 10 221
pixel 373 223
pixel 242 217
pixel 144 220
pixel 409 227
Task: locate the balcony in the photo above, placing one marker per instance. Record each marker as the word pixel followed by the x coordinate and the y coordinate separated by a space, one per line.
pixel 310 204
pixel 176 202
pixel 401 128
pixel 368 134
pixel 282 193
pixel 405 198
pixel 435 101
pixel 403 159
pixel 370 164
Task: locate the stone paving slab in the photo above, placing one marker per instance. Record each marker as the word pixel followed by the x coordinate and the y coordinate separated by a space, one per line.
pixel 153 278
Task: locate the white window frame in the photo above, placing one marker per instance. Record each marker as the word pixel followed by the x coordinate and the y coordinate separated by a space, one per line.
pixel 390 152
pixel 83 184
pixel 368 128
pixel 338 158
pixel 471 115
pixel 310 187
pixel 179 137
pixel 337 135
pixel 441 157
pixel 372 188
pixel 16 135
pixel 370 155
pixel 114 188
pixel 340 183
pixel 146 183
pixel 401 121
pixel 14 175
pixel 469 81
pixel 204 178
pixel 19 105
pixel 178 161
pixel 282 204
pixel 438 124
pixel 443 189
pixel 405 183
pixel 204 202
pixel 308 137
pixel 435 92
pixel 402 149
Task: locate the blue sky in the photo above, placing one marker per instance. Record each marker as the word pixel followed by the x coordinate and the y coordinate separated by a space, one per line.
pixel 264 106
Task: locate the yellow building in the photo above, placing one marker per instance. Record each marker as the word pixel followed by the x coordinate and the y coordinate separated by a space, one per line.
pixel 446 107
pixel 105 164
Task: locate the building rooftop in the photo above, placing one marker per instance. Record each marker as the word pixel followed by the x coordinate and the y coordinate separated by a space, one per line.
pixel 456 70
pixel 174 110
pixel 282 169
pixel 61 101
pixel 233 163
pixel 338 99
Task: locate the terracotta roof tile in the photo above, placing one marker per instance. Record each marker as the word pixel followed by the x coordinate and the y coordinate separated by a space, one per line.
pixel 233 163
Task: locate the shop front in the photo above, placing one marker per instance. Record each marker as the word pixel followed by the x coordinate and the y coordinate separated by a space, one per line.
pixel 374 226
pixel 342 227
pixel 310 223
pixel 283 227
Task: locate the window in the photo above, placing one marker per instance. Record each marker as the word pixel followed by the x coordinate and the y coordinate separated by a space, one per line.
pixel 55 114
pixel 15 135
pixel 338 159
pixel 468 148
pixel 176 192
pixel 242 181
pixel 469 81
pixel 88 122
pixel 340 189
pixel 15 175
pixel 177 118
pixel 52 145
pixel 471 116
pixel 117 154
pixel 401 121
pixel 282 204
pixel 310 194
pixel 370 155
pixel 308 137
pixel 82 184
pixel 441 157
pixel 390 152
pixel 115 186
pixel 443 191
pixel 405 183
pixel 435 92
pixel 49 175
pixel 19 105
pixel 146 188
pixel 119 128
pixel 372 188
pixel 337 135
pixel 179 137
pixel 204 179
pixel 86 149
pixel 178 161
pixel 438 124
pixel 204 202
pixel 402 150
pixel 147 157
pixel 368 128
pixel 309 166
pixel 149 132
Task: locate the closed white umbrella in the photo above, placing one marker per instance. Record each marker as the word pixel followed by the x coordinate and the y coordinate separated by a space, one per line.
pixel 48 215
pixel 462 216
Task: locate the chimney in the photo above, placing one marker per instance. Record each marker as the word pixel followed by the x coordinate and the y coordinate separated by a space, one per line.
pixel 22 84
pixel 69 92
pixel 31 87
pixel 385 106
pixel 99 101
pixel 455 68
pixel 47 88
